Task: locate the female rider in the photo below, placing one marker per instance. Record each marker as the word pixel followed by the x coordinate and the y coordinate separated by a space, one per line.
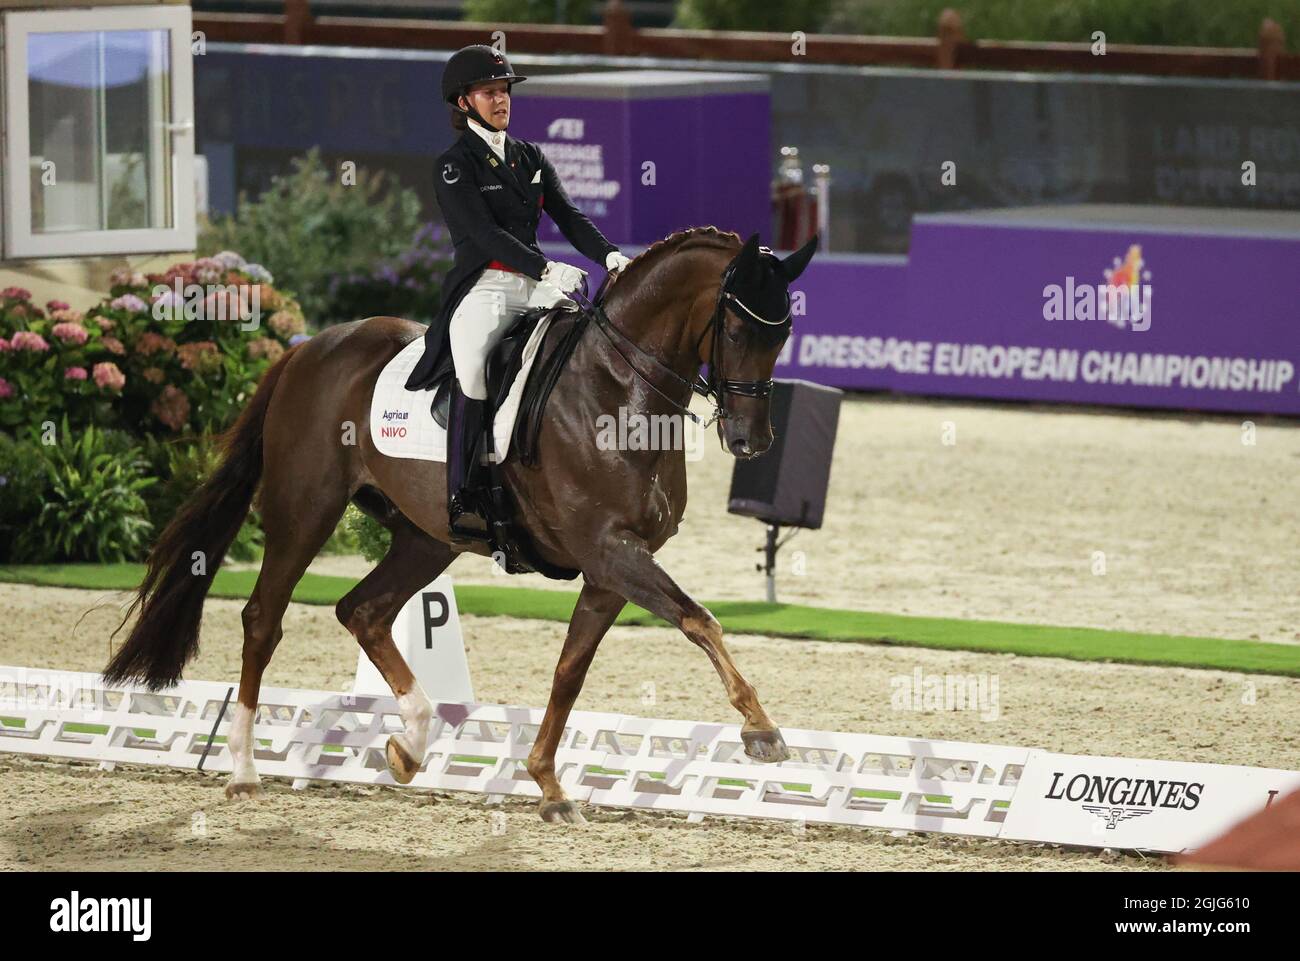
pixel 492 190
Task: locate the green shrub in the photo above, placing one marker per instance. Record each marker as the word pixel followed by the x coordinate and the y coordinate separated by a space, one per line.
pixel 371 537
pixel 309 227
pixel 528 11
pixel 93 507
pixel 785 16
pixel 406 286
pixel 23 485
pixel 182 466
pixel 1202 23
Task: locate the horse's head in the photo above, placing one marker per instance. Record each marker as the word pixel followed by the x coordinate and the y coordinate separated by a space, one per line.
pixel 749 329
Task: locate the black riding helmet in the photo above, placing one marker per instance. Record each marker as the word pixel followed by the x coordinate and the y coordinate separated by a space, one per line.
pixel 471 65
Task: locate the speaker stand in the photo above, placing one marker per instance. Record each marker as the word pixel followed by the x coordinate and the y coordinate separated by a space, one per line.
pixel 768 567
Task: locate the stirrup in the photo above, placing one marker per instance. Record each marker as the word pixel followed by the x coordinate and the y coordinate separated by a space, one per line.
pixel 457 508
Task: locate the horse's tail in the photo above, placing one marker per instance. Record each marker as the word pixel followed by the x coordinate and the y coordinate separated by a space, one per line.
pixel 185 558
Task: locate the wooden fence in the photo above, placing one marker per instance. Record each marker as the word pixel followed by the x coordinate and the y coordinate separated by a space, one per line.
pixel 948 49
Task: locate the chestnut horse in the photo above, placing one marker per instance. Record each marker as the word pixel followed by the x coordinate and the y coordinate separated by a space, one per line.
pixel 601 512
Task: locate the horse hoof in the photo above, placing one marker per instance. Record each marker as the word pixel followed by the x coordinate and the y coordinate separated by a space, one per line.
pixel 401 765
pixel 243 791
pixel 766 747
pixel 561 812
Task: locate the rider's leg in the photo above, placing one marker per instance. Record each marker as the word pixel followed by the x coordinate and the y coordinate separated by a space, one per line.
pixel 484 314
pixel 464 420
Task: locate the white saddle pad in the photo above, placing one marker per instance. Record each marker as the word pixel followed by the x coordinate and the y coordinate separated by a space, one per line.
pixel 401 420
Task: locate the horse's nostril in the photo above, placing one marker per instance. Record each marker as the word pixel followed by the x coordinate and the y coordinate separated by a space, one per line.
pixel 740 447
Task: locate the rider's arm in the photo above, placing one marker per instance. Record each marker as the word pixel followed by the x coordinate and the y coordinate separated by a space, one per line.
pixel 467 215
pixel 573 223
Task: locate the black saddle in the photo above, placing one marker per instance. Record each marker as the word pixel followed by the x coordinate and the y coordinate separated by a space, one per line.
pixel 503 362
pixel 507 540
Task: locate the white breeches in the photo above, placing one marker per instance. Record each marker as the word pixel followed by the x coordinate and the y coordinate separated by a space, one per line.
pixel 483 315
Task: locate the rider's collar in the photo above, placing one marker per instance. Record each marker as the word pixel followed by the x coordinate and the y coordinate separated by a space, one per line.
pixel 494 139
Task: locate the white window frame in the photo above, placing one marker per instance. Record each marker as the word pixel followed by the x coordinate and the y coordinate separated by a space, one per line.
pixel 19 239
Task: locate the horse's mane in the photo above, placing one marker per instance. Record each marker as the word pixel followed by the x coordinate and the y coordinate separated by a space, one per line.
pixel 681 240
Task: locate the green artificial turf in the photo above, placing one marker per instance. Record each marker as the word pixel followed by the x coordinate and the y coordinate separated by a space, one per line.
pixel 778 620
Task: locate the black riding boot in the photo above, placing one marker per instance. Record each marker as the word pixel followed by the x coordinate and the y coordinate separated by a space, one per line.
pixel 464 429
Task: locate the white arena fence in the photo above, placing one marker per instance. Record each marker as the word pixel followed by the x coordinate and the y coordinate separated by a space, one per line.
pixel 610 760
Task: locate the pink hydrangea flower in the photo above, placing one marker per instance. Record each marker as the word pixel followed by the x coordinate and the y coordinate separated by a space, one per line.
pixel 70 333
pixel 27 340
pixel 201 356
pixel 67 315
pixel 6 389
pixel 75 373
pixel 151 343
pixel 108 377
pixel 53 305
pixel 171 407
pixel 229 259
pixel 15 293
pixel 4 345
pixel 285 323
pixel 106 323
pixel 209 271
pixel 113 345
pixel 153 375
pixel 128 302
pixel 265 347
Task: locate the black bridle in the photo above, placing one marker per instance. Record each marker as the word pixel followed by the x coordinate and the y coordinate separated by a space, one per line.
pixel 716 385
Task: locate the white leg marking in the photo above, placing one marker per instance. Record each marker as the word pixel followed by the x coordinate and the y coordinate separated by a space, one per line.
pixel 241 747
pixel 417 715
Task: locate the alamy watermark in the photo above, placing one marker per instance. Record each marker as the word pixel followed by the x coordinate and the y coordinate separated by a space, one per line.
pixel 630 430
pixel 946 692
pixel 23 690
pixel 241 302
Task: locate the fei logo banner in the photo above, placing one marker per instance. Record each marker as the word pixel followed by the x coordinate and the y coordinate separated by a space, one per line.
pixel 1166 806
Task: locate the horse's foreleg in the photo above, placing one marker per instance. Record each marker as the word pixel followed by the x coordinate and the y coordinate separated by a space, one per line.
pixel 368 611
pixel 627 566
pixel 592 616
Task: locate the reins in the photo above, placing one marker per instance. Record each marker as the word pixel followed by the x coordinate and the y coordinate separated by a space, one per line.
pixel 716 385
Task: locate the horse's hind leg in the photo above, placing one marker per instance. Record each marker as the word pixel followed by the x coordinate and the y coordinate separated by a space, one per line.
pixel 625 564
pixel 368 611
pixel 297 523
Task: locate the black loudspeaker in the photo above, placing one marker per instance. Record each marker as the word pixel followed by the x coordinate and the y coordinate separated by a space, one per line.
pixel 787 484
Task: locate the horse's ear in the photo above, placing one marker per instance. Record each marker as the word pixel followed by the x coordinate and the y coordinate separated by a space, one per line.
pixel 794 265
pixel 747 261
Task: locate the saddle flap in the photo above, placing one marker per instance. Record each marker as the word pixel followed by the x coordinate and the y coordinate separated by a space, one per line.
pixel 442 403
pixel 504 359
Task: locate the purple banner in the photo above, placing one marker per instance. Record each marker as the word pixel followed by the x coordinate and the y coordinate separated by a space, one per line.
pixel 1062 313
pixel 644 168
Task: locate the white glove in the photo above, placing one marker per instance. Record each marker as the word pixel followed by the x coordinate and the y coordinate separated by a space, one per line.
pixel 615 261
pixel 563 277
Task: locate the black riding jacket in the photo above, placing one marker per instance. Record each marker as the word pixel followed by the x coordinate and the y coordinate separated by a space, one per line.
pixel 492 209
